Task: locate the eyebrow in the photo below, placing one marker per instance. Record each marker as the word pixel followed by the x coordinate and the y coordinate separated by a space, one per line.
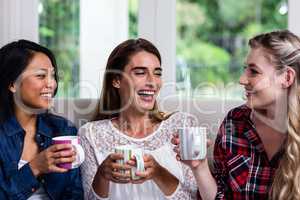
pixel 143 68
pixel 44 69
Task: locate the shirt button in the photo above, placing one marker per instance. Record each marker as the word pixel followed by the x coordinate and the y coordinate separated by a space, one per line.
pixel 43 180
pixel 42 144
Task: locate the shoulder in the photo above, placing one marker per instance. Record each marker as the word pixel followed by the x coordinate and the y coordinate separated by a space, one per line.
pixel 58 123
pixel 182 119
pixel 239 113
pixel 93 127
pixel 233 127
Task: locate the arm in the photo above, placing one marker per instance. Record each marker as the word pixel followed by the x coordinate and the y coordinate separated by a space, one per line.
pixel 211 186
pixel 74 190
pixel 220 167
pixel 89 168
pixel 197 172
pixel 166 181
pixel 177 181
pixel 206 183
pixel 17 184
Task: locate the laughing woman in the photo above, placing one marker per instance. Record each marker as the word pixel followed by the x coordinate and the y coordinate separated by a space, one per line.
pixel 28 82
pixel 128 115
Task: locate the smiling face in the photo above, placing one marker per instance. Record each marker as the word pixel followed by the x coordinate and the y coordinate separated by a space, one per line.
pixel 261 80
pixel 140 82
pixel 36 85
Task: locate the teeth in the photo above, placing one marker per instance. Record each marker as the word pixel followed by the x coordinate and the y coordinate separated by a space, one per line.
pixel 48 95
pixel 146 92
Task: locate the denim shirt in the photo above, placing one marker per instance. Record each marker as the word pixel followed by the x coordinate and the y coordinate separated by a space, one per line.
pixel 20 184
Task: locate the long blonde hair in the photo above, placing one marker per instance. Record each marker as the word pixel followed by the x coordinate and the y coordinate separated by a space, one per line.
pixel 284 48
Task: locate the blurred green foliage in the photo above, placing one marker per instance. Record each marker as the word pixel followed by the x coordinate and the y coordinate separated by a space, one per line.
pixel 133 16
pixel 212 36
pixel 59 31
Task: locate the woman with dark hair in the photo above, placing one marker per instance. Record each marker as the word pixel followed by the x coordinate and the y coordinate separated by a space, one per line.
pixel 128 115
pixel 257 149
pixel 28 82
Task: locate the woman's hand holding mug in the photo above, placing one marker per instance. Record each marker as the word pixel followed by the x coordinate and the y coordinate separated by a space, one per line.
pixel 191 144
pixel 47 160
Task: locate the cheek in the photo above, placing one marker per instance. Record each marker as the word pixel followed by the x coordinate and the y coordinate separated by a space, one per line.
pixel 54 84
pixel 262 84
pixel 159 83
pixel 31 88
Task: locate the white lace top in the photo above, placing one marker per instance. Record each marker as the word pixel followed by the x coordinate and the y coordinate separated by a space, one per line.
pixel 99 139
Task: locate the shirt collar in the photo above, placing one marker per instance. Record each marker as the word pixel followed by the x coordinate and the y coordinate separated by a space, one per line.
pixel 250 132
pixel 42 126
pixel 13 127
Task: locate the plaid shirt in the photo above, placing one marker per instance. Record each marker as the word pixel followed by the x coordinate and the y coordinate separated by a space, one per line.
pixel 242 168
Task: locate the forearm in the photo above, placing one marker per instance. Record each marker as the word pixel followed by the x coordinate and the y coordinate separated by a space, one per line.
pixel 166 181
pixel 206 183
pixel 74 190
pixel 100 185
pixel 19 184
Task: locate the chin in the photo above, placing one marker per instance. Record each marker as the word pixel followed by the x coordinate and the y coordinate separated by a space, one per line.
pixel 145 108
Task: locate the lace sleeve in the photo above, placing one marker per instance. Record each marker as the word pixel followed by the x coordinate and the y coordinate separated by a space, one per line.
pixel 186 189
pixel 89 166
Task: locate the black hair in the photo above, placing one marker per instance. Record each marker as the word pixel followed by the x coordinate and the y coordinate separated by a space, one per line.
pixel 14 58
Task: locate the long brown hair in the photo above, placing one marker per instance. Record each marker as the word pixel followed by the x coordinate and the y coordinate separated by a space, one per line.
pixel 109 105
pixel 284 49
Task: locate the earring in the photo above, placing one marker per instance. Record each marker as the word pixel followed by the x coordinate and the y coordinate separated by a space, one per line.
pixel 13 90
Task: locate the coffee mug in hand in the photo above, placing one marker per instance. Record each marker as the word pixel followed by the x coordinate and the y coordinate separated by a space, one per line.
pixel 128 151
pixel 74 140
pixel 192 145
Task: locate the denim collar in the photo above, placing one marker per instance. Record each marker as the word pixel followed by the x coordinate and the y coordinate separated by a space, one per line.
pixel 13 127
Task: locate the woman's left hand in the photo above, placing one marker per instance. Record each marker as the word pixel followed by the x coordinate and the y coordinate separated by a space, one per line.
pixel 152 169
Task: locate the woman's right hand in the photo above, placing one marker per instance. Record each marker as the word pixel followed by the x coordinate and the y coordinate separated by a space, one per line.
pixel 46 161
pixel 110 169
pixel 193 164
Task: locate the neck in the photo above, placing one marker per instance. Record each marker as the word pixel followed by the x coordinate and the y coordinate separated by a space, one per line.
pixel 274 116
pixel 26 120
pixel 135 124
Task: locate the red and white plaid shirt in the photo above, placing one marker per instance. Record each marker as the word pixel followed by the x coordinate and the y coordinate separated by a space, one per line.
pixel 241 166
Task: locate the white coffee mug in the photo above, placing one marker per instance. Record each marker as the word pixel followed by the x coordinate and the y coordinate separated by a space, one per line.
pixel 192 143
pixel 128 151
pixel 74 140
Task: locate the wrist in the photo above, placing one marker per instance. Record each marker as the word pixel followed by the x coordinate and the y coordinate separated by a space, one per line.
pixel 100 184
pixel 203 165
pixel 101 175
pixel 202 168
pixel 36 172
pixel 159 173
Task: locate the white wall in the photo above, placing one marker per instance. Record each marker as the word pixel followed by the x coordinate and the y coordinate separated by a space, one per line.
pixel 18 20
pixel 294 16
pixel 103 24
pixel 157 23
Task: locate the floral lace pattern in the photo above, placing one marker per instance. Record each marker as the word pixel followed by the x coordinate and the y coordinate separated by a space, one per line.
pixel 99 139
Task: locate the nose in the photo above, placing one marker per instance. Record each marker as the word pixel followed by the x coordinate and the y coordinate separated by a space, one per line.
pixel 151 80
pixel 243 79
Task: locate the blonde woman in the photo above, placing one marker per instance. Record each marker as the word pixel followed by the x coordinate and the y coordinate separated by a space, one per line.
pixel 257 150
pixel 128 115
